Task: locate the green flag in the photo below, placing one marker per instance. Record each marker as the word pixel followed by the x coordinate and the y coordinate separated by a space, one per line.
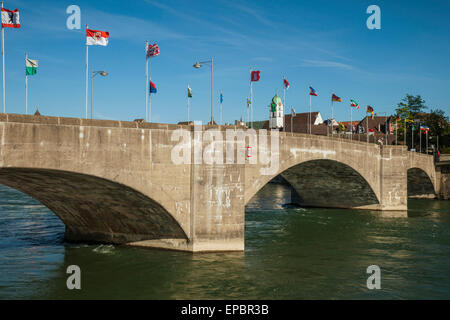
pixel 31 67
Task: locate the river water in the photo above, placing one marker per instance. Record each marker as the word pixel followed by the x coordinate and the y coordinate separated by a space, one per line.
pixel 291 253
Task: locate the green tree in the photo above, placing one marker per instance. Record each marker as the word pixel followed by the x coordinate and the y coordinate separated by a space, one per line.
pixel 410 106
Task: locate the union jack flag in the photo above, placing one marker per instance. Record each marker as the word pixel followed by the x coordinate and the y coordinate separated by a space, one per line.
pixel 152 50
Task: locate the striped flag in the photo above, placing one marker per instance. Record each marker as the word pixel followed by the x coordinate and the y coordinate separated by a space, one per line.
pixel 335 98
pixel 354 104
pixel 312 92
pixel 286 83
pixel 424 128
pixel 30 67
pixel 96 37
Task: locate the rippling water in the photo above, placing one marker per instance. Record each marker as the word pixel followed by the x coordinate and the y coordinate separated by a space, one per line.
pixel 291 253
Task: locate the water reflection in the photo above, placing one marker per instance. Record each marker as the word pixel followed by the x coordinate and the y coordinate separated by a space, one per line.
pixel 291 253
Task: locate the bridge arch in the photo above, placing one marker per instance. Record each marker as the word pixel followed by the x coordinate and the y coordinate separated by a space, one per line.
pixel 420 184
pixel 327 183
pixel 94 209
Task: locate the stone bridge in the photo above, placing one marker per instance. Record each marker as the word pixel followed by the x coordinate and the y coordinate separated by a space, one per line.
pixel 186 187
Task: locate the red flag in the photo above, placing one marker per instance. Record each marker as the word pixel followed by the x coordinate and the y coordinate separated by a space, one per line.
pixel 286 83
pixel 96 37
pixel 255 76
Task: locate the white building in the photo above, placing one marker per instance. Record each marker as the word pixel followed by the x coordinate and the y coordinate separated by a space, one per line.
pixel 276 114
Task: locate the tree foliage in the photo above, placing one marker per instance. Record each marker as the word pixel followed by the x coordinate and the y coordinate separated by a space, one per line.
pixel 413 107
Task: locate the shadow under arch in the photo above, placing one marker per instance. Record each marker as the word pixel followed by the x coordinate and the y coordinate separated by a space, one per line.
pixel 329 184
pixel 420 184
pixel 94 209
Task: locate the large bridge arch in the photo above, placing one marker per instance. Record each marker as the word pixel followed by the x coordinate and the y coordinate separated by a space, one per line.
pixel 306 157
pixel 94 209
pixel 420 184
pixel 422 180
pixel 327 183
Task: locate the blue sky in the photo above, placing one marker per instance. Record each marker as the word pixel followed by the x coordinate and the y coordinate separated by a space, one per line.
pixel 324 43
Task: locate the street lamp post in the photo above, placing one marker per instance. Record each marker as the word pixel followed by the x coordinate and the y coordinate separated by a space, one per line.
pixel 198 65
pixel 93 74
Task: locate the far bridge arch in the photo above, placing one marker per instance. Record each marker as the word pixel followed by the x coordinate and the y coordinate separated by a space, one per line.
pixel 328 183
pixel 94 209
pixel 420 184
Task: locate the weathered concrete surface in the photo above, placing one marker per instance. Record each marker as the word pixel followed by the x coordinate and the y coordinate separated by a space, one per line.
pixel 443 177
pixel 116 182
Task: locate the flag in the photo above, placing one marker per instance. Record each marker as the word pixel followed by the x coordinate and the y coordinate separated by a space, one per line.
pixel 152 50
pixel 95 37
pixel 354 104
pixel 293 112
pixel 409 120
pixel 30 67
pixel 369 110
pixel 255 76
pixel 248 102
pixel 424 128
pixel 398 118
pixel 335 98
pixel 286 83
pixel 221 97
pixel 189 92
pixel 10 18
pixel 312 92
pixel 152 88
pixel 341 126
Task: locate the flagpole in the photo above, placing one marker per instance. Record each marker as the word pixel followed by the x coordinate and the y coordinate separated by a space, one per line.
pixel 149 94
pixel 220 107
pixel 248 108
pixel 396 131
pixel 87 74
pixel 251 99
pixel 188 104
pixel 3 58
pixel 284 93
pixel 420 139
pixel 309 118
pixel 426 144
pixel 404 138
pixel 351 123
pixel 26 84
pixel 412 136
pixel 332 114
pixel 367 126
pixel 146 81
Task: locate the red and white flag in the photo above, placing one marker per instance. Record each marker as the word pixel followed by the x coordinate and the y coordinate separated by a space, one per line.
pixel 286 83
pixel 152 50
pixel 10 18
pixel 95 37
pixel 254 76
